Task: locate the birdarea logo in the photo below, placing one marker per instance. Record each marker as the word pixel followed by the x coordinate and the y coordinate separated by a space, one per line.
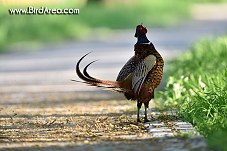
pixel 44 11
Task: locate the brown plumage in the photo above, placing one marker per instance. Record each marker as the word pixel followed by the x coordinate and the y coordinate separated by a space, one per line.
pixel 139 76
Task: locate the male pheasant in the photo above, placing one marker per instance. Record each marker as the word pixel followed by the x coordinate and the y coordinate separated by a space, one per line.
pixel 139 76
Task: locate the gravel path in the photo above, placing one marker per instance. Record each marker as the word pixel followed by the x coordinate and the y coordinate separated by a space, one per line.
pixel 41 109
pixel 67 121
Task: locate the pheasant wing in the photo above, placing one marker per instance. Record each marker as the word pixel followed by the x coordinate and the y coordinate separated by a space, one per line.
pixel 140 72
pixel 128 68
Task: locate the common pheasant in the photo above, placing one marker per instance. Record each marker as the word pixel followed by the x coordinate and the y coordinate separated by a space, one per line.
pixel 139 76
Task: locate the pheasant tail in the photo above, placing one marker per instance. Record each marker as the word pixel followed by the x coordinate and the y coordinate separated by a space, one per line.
pixel 119 86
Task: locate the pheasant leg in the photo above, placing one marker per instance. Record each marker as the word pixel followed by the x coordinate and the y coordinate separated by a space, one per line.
pixel 139 104
pixel 145 117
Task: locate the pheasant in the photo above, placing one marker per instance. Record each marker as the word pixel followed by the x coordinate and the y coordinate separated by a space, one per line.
pixel 139 76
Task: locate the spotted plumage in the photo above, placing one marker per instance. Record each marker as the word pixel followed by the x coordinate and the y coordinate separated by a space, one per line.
pixel 139 76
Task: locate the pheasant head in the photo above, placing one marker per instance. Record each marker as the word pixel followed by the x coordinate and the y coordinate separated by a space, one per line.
pixel 141 34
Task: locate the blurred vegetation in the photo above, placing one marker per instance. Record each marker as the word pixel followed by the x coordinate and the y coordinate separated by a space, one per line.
pixel 18 30
pixel 209 1
pixel 197 87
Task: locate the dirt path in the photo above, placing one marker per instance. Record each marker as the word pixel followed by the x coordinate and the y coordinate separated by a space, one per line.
pixel 89 122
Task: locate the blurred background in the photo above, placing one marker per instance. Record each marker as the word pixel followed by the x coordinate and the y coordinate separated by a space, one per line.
pixel 38 53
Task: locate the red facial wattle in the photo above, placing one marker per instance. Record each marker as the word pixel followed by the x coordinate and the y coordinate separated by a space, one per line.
pixel 142 29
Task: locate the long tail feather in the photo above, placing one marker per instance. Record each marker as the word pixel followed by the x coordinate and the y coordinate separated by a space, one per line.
pixel 113 85
pixel 85 70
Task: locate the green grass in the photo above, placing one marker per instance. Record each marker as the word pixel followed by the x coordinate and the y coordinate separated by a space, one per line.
pixel 197 87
